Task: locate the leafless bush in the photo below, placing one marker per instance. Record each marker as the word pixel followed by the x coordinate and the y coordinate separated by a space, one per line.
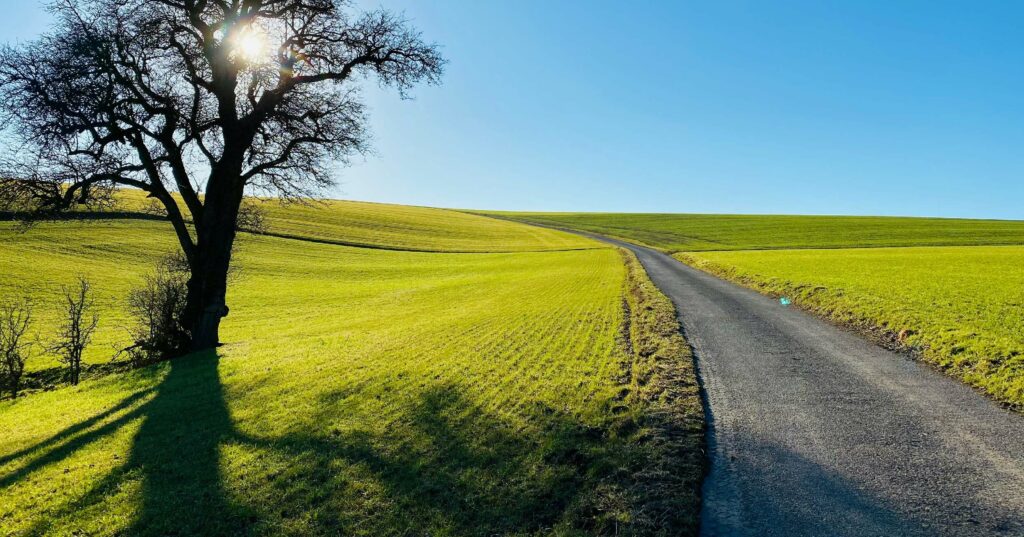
pixel 77 329
pixel 251 217
pixel 15 318
pixel 157 307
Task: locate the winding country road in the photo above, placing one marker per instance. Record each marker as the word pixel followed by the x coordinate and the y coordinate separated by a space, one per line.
pixel 816 431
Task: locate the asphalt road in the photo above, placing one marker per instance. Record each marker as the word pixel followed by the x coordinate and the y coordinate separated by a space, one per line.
pixel 814 430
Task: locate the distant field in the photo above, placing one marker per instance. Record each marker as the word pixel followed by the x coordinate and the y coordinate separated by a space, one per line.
pixel 412 228
pixel 361 392
pixel 397 227
pixel 964 305
pixel 706 232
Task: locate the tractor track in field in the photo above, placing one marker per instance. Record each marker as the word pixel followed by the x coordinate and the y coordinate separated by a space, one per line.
pixel 814 430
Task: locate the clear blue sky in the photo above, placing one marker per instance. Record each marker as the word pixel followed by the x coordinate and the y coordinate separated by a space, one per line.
pixel 853 107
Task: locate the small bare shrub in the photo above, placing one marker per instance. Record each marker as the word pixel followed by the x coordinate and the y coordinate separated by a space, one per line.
pixel 251 217
pixel 157 307
pixel 76 331
pixel 15 318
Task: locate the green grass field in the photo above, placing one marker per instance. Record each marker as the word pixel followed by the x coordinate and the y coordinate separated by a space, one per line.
pixel 709 232
pixel 964 306
pixel 409 228
pixel 961 303
pixel 393 227
pixel 37 263
pixel 363 391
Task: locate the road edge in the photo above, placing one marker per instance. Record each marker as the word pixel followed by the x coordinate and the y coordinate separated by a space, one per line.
pixel 660 382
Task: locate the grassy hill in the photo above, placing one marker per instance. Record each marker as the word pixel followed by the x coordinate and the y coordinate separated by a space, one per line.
pixel 38 263
pixel 409 228
pixel 363 391
pixel 392 227
pixel 709 232
pixel 958 306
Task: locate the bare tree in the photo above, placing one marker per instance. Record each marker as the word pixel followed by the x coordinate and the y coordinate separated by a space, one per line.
pixel 210 99
pixel 15 319
pixel 76 331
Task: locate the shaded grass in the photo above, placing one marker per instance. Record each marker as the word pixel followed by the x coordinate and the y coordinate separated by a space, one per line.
pixel 960 308
pixel 711 232
pixel 361 392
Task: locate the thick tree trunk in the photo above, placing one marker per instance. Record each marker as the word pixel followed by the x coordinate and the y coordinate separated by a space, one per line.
pixel 206 302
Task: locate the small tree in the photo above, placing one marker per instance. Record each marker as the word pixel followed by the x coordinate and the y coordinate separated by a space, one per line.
pixel 157 307
pixel 15 318
pixel 76 331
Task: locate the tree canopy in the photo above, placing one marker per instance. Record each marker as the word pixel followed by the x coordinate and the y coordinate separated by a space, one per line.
pixel 209 99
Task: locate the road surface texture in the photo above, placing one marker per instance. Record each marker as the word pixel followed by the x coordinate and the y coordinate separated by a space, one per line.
pixel 814 430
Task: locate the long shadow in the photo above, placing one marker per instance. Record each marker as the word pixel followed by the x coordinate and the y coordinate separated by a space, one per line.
pixel 472 475
pixel 72 430
pixel 774 489
pixel 448 468
pixel 464 476
pixel 177 451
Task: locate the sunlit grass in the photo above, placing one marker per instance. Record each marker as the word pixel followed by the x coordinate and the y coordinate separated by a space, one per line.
pixel 411 228
pixel 963 306
pixel 35 264
pixel 360 392
pixel 397 227
pixel 708 232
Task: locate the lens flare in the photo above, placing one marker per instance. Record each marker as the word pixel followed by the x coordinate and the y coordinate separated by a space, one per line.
pixel 250 45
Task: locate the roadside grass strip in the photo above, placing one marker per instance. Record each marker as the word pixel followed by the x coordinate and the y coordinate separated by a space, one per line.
pixel 959 308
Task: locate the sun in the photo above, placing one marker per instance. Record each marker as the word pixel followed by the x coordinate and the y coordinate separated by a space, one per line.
pixel 250 45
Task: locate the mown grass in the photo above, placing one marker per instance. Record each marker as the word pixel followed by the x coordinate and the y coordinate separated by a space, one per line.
pixel 360 392
pixel 709 232
pixel 961 308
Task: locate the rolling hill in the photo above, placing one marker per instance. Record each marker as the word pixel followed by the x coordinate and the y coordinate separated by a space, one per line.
pixel 362 391
pixel 950 291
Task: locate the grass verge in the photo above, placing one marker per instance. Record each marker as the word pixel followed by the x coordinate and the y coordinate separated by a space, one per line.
pixel 661 380
pixel 958 308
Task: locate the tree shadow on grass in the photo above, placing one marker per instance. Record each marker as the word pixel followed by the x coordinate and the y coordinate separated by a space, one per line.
pixel 448 467
pixel 446 473
pixel 175 452
pixel 59 441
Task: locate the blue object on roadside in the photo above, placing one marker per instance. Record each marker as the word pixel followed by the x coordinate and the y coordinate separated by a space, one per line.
pixel 784 301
